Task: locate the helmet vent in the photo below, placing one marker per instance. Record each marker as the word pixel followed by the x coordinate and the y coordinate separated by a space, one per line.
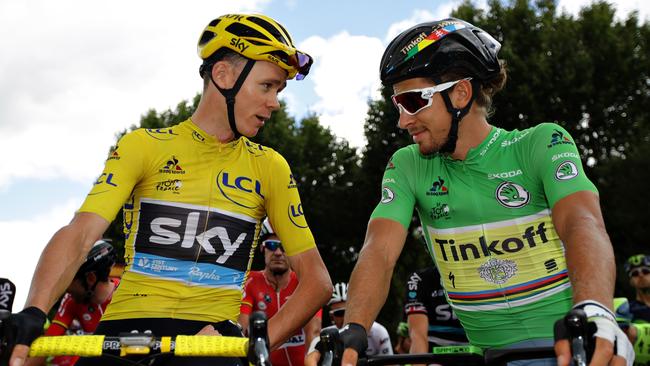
pixel 269 28
pixel 242 30
pixel 206 37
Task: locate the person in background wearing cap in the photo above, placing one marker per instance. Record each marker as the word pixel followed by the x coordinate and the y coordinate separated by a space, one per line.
pixel 194 198
pixel 637 268
pixel 268 290
pixel 378 338
pixel 85 300
pixel 510 218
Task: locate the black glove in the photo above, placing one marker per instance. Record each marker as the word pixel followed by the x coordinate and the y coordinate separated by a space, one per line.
pixel 28 325
pixel 354 336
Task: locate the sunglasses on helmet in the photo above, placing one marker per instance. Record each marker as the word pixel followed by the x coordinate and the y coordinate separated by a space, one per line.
pixel 302 62
pixel 272 245
pixel 639 271
pixel 415 100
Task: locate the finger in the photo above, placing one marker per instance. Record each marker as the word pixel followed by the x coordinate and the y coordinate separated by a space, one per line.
pixel 312 359
pixel 19 355
pixel 208 330
pixel 603 353
pixel 563 352
pixel 350 357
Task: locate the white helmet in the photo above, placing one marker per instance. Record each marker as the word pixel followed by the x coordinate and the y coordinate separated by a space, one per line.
pixel 266 230
pixel 339 294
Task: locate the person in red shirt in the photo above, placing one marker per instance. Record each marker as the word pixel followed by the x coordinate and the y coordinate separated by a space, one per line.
pixel 85 300
pixel 268 290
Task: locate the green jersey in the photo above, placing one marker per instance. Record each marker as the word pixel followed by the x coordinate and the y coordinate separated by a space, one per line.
pixel 488 225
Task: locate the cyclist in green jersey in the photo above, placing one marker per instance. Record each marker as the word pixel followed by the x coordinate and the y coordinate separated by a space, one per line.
pixel 512 223
pixel 194 197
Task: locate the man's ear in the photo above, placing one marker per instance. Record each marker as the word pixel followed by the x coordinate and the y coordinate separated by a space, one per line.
pixel 91 278
pixel 222 74
pixel 462 94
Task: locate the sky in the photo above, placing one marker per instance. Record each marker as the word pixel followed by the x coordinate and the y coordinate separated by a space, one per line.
pixel 74 73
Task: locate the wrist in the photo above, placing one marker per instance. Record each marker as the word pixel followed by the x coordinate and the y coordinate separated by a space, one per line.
pixel 594 308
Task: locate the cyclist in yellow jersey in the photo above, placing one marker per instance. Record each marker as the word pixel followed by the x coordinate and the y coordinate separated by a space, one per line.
pixel 194 196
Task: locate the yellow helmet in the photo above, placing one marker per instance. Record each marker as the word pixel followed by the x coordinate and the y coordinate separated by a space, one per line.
pixel 256 37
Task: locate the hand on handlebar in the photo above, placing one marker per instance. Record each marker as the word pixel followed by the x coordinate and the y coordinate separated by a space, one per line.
pixel 590 333
pixel 27 325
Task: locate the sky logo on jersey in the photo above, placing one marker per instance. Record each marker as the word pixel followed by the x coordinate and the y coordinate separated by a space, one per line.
pixel 558 138
pixel 438 188
pixel 297 216
pixel 237 184
pixel 161 133
pixel 172 167
pixel 190 234
pixel 497 271
pixel 512 195
pixel 567 170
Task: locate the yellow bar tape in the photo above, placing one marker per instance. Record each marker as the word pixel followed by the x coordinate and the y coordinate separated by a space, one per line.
pixel 85 346
pixel 165 344
pixel 217 346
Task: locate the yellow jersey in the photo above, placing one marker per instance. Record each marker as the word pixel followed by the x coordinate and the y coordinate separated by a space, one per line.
pixel 192 214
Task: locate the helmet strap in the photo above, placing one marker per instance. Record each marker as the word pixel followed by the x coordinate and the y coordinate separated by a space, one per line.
pixel 456 115
pixel 231 93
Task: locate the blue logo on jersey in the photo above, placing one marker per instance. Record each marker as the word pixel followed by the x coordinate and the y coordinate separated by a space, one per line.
pixel 241 183
pixel 161 133
pixel 297 216
pixel 106 178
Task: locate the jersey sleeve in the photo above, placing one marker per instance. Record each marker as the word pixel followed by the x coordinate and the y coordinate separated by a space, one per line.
pixel 555 161
pixel 284 208
pixel 246 306
pixel 122 170
pixel 415 295
pixel 382 338
pixel 63 318
pixel 397 197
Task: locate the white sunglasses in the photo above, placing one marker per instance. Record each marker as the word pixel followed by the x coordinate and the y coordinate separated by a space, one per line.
pixel 414 100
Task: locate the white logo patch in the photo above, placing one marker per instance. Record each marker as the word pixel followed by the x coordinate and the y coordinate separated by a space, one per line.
pixel 497 271
pixel 387 195
pixel 567 170
pixel 512 195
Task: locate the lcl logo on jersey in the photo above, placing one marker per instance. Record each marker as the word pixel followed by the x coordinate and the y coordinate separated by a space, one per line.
pixel 181 231
pixel 161 133
pixel 227 182
pixel 297 216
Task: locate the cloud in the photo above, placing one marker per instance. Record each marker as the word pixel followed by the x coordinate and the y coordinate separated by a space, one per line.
pixel 623 7
pixel 345 77
pixel 25 240
pixel 74 73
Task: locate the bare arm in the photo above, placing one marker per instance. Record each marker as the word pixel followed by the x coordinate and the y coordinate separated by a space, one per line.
pixel 371 276
pixel 312 330
pixel 579 223
pixel 243 321
pixel 418 332
pixel 61 258
pixel 313 291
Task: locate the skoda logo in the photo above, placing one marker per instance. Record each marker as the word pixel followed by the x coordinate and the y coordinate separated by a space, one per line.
pixel 512 195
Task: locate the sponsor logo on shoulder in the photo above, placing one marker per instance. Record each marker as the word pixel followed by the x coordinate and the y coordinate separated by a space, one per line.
pixel 558 138
pixel 297 216
pixel 390 165
pixel 512 195
pixel 387 195
pixel 292 182
pixel 567 170
pixel 198 137
pixel 489 144
pixel 114 155
pixel 229 185
pixel 505 175
pixel 388 180
pixel 514 140
pixel 565 155
pixel 161 133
